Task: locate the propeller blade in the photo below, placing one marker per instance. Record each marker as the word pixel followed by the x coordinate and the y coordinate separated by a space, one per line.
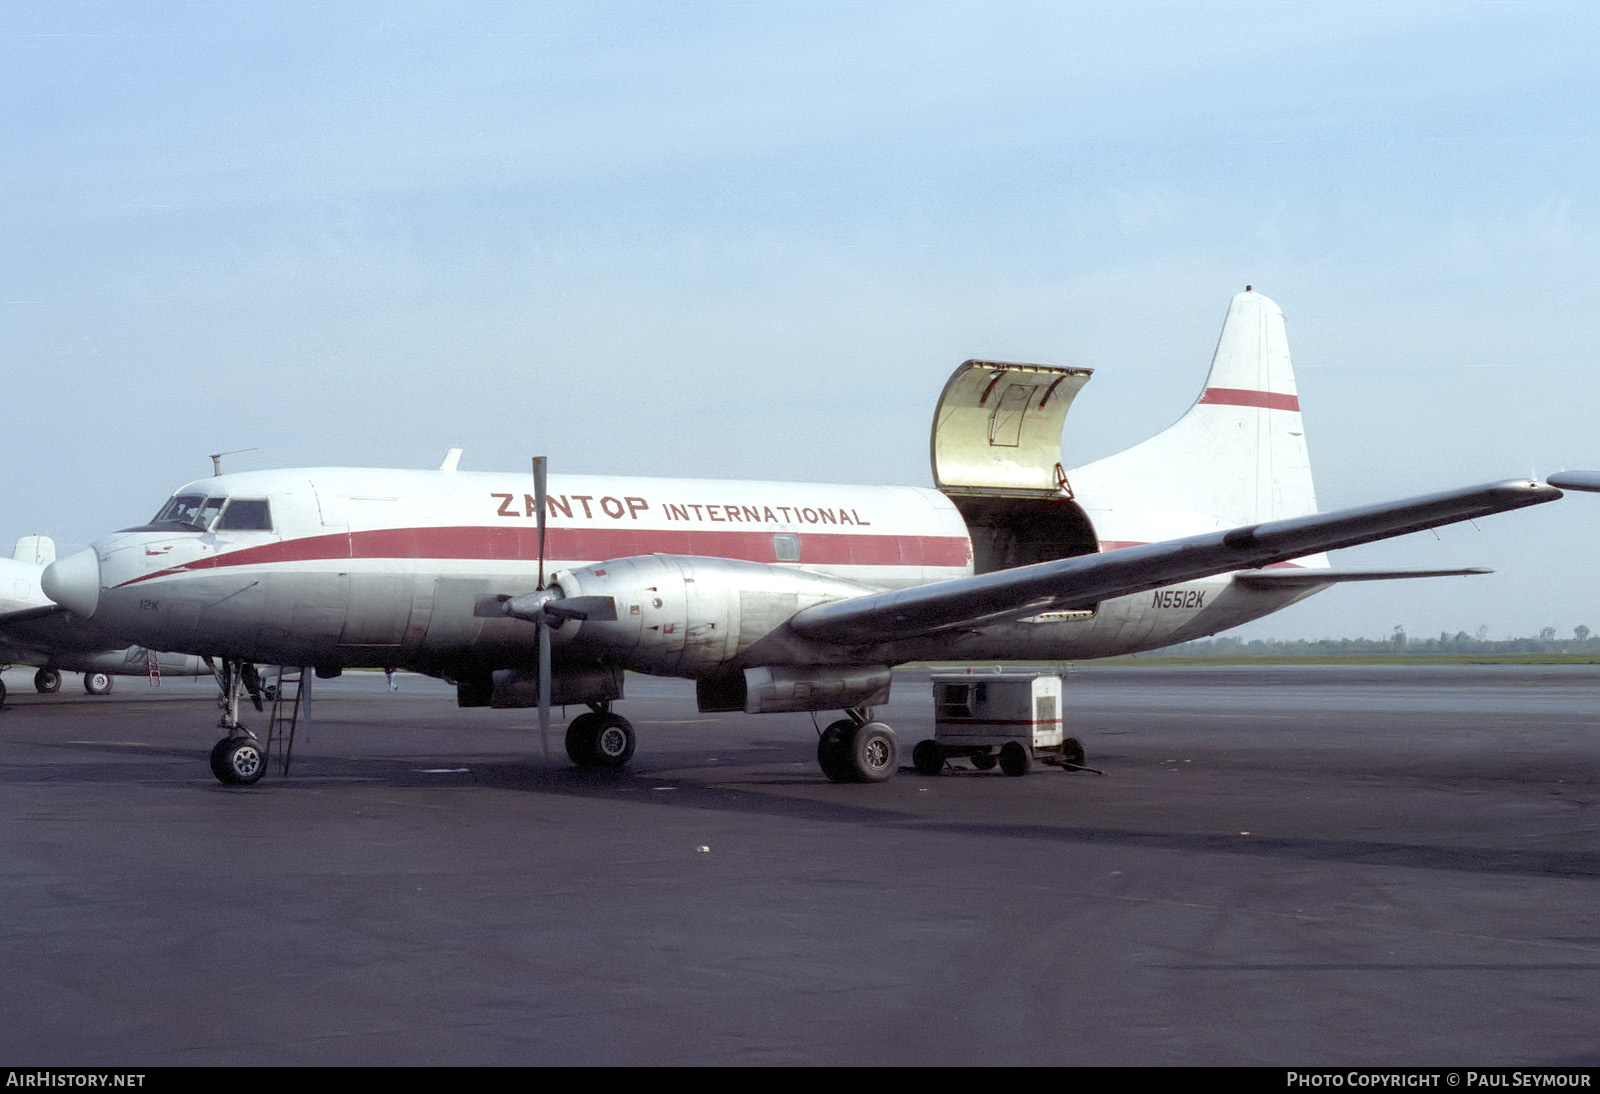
pixel 547 606
pixel 539 497
pixel 544 688
pixel 599 608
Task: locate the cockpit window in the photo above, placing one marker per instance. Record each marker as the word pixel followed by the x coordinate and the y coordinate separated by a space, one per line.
pixel 246 515
pixel 182 509
pixel 190 511
pixel 208 512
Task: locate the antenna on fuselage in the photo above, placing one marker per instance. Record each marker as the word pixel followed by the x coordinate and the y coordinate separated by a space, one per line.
pixel 216 460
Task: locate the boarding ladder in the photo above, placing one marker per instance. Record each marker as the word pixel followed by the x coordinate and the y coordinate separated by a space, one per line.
pixel 286 705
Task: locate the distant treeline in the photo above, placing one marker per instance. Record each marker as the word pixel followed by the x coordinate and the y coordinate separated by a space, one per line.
pixel 1582 641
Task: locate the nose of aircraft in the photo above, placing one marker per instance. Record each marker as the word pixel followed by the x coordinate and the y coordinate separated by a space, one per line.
pixel 74 582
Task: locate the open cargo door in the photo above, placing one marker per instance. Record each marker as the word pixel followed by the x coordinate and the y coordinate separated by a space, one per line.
pixel 996 450
pixel 998 428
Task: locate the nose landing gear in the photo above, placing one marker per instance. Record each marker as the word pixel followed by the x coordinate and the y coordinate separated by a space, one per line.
pixel 240 758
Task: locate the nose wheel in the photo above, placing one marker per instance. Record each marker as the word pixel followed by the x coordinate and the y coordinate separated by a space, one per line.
pixel 238 761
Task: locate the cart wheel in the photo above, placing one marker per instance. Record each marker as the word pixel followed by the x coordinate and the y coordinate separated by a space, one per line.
pixel 1072 752
pixel 983 761
pixel 928 757
pixel 1014 759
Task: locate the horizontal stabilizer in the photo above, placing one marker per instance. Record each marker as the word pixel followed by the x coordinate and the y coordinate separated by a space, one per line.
pixel 1576 480
pixel 1085 580
pixel 1294 578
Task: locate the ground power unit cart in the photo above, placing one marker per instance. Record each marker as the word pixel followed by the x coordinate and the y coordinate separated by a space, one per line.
pixel 1012 719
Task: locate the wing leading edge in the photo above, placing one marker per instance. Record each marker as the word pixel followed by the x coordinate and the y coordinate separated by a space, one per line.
pixel 1299 578
pixel 1085 580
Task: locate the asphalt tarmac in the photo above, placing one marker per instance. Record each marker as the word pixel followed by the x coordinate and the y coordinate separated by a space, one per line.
pixel 1279 866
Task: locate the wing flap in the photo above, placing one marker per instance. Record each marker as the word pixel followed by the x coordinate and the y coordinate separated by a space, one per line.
pixel 1080 582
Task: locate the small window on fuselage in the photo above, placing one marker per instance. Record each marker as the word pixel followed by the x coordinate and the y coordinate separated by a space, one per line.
pixel 786 547
pixel 246 515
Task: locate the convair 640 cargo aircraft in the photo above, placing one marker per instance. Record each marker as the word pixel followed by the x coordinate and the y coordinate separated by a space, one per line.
pixel 771 596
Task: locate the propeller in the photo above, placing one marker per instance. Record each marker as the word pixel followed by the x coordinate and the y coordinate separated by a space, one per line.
pixel 539 499
pixel 546 609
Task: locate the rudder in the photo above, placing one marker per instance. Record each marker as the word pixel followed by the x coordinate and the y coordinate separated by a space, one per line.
pixel 1238 456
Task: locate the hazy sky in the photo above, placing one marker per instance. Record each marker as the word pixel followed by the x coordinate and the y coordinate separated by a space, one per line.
pixel 752 240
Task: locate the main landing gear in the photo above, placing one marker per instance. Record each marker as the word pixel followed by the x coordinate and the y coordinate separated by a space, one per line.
pixel 600 738
pixel 857 749
pixel 48 682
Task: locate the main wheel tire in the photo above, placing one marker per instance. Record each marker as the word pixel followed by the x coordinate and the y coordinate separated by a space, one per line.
pixel 1014 759
pixel 47 681
pixel 581 734
pixel 613 742
pixel 99 683
pixel 217 768
pixel 984 761
pixel 2 693
pixel 874 753
pixel 1072 752
pixel 238 761
pixel 832 753
pixel 928 757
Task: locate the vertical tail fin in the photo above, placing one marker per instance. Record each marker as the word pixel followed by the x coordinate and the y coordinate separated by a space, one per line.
pixel 35 550
pixel 1237 457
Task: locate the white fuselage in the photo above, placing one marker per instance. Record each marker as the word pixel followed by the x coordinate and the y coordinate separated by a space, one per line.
pixel 372 567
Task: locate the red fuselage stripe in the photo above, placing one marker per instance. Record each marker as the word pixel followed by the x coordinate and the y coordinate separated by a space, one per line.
pixel 569 544
pixel 1238 396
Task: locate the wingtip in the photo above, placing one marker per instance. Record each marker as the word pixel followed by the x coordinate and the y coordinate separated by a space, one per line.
pixel 1576 480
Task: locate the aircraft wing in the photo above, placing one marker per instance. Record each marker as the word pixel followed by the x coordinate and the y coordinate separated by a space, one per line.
pixel 26 614
pixel 1299 577
pixel 1085 580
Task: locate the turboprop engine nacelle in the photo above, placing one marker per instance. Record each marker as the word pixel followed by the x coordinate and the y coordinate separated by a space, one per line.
pixel 684 615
